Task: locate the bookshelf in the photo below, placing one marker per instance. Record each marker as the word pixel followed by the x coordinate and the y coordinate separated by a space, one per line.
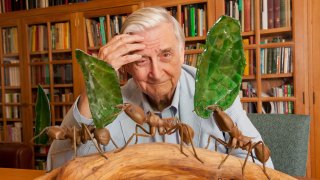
pixel 49 62
pixel 11 122
pixel 270 82
pixel 19 5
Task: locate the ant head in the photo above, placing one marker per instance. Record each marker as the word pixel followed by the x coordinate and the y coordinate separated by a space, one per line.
pixel 213 107
pixel 123 106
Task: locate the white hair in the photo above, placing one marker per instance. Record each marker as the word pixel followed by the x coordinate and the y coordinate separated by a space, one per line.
pixel 150 17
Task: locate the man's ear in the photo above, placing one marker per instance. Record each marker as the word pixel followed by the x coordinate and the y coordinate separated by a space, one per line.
pixel 182 55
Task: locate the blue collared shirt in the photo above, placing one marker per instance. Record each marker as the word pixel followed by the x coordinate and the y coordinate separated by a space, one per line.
pixel 182 107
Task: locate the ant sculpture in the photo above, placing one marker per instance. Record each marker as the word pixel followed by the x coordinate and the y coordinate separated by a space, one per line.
pixel 163 125
pixel 78 136
pixel 237 139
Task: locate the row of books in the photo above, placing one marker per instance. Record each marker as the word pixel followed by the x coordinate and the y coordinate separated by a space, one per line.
pixel 60 35
pixel 172 11
pixel 286 107
pixel 275 13
pixel 194 20
pixel 250 107
pixel 11 132
pixel 10 40
pixel 40 164
pixel 250 57
pixel 61 111
pixel 247 90
pixel 276 60
pixel 38 38
pixel 194 46
pixel 242 10
pixel 40 74
pixel 17 5
pixel 191 59
pixel 62 74
pixel 116 24
pixel 96 31
pixel 12 111
pixel 64 95
pixel 60 95
pixel 11 72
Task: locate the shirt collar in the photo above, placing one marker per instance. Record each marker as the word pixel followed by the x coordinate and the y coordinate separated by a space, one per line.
pixel 173 107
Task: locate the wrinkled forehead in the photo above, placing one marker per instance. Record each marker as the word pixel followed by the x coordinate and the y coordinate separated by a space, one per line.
pixel 159 38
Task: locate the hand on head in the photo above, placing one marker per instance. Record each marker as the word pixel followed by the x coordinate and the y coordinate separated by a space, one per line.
pixel 118 51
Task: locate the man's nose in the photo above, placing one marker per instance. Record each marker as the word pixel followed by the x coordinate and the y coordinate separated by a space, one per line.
pixel 155 69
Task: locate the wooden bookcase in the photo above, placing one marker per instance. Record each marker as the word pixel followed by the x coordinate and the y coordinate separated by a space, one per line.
pixel 49 59
pixel 11 115
pixel 55 60
pixel 272 83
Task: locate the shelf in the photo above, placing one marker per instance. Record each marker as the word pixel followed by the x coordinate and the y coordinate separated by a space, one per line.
pixel 197 38
pixel 275 76
pixel 9 55
pixel 39 52
pixel 193 51
pixel 249 99
pixel 61 51
pixel 13 119
pixel 12 87
pixel 266 99
pixel 275 45
pixel 40 155
pixel 276 31
pixel 249 77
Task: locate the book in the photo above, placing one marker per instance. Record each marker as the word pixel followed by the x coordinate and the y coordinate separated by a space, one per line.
pixel 264 14
pixel 246 54
pixel 102 21
pixel 270 14
pixel 247 16
pixel 276 9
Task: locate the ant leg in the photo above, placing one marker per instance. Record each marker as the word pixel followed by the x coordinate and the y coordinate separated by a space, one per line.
pixel 35 137
pixel 74 141
pixel 263 163
pixel 225 159
pixel 194 151
pixel 217 139
pixel 249 153
pixel 114 143
pixel 134 134
pixel 95 143
pixel 144 130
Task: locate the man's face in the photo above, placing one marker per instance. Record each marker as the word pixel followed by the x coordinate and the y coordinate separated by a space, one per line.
pixel 158 71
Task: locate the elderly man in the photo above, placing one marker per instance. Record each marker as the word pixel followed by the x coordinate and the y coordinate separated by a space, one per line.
pixel 151 49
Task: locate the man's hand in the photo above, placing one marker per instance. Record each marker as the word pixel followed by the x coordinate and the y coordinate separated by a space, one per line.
pixel 120 50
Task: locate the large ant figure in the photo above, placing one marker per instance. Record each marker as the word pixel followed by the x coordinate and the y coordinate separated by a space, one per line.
pixel 163 125
pixel 237 139
pixel 78 136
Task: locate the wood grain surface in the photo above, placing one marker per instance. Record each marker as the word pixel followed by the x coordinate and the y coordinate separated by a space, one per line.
pixel 160 161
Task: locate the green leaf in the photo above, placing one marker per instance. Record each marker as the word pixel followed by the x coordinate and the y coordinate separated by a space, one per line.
pixel 220 67
pixel 43 115
pixel 103 88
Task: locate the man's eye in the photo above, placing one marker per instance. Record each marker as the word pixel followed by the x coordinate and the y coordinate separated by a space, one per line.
pixel 167 55
pixel 142 62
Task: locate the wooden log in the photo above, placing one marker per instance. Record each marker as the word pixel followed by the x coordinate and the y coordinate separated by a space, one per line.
pixel 160 161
